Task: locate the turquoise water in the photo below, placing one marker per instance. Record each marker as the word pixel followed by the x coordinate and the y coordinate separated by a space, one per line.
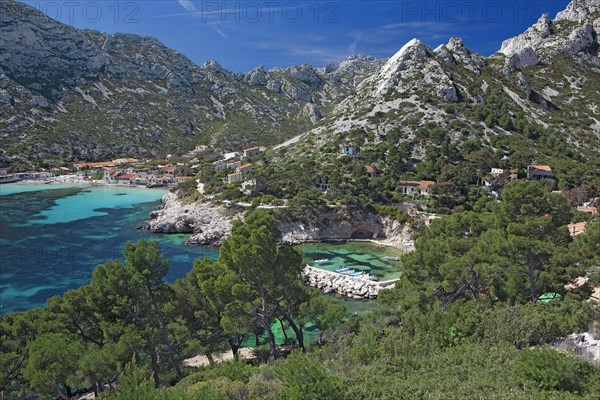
pixel 52 237
pixel 367 257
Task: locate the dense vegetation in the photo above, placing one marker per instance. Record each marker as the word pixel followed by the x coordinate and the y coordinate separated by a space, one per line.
pixel 463 321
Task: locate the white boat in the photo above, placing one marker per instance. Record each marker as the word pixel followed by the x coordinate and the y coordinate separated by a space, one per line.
pixel 391 258
pixel 342 269
pixel 322 261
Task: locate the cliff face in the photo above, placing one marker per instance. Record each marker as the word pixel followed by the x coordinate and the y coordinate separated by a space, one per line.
pixel 210 224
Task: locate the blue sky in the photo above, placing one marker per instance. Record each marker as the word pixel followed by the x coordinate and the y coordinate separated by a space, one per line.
pixel 241 35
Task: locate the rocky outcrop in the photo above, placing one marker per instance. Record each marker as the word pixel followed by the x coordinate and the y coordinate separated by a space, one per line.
pixel 559 35
pixel 355 287
pixel 533 37
pixel 519 60
pixel 584 345
pixel 208 223
pixel 578 10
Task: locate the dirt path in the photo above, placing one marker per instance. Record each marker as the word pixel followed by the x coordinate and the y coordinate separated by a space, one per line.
pixel 202 361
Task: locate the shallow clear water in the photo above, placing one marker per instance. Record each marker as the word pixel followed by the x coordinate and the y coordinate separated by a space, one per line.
pixel 52 237
pixel 365 257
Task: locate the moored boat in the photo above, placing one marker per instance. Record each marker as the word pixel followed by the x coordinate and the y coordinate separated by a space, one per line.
pixel 322 261
pixel 391 258
pixel 340 270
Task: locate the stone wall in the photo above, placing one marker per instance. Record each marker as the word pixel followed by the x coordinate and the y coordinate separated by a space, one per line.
pixel 355 287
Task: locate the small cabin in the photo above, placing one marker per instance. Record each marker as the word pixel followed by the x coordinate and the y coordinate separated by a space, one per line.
pixel 416 188
pixel 349 150
pixel 538 172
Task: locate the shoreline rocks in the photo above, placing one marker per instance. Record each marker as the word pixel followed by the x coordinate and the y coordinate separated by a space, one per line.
pixel 355 287
pixel 210 224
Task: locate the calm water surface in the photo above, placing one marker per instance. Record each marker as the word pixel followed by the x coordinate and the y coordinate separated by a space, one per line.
pixel 52 237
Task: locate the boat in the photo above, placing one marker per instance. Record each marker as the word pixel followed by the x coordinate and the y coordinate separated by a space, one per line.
pixel 348 272
pixel 392 258
pixel 340 270
pixel 357 273
pixel 322 261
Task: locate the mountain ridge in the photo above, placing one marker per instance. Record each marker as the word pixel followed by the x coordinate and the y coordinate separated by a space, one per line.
pixel 102 106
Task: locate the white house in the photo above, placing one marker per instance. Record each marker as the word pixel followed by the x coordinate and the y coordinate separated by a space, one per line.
pixel 236 177
pixel 244 169
pixel 349 150
pixel 496 171
pixel 322 183
pixel 220 165
pixel 234 165
pixel 416 188
pixel 251 152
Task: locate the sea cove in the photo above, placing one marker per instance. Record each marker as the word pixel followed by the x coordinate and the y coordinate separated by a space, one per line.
pixel 52 237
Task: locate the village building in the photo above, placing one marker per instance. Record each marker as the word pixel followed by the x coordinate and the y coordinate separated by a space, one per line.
pixel 244 169
pixel 371 171
pixel 229 156
pixel 322 183
pixel 183 178
pixel 537 172
pixel 251 152
pixel 234 165
pixel 236 177
pixel 252 186
pixel 219 165
pixel 349 150
pixel 496 171
pixel 416 188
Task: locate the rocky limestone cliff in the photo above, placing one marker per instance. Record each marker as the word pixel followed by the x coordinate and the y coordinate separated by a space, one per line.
pixel 574 31
pixel 209 224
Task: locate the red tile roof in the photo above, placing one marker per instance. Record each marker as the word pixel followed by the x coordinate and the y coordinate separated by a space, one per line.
pixel 541 167
pixel 426 184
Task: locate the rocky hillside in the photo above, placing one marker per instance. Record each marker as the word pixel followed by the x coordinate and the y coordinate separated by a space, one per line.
pixel 69 94
pixel 539 93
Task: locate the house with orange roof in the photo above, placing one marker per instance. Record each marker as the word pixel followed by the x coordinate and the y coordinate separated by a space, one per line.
pixel 415 188
pixel 251 152
pixel 236 177
pixel 371 171
pixel 234 165
pixel 538 172
pixel 244 169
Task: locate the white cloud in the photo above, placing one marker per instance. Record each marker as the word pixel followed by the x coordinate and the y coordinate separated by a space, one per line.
pixel 187 5
pixel 352 47
pixel 220 32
